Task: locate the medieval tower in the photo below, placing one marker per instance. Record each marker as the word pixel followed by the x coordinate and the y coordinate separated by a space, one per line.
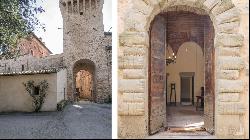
pixel 85 46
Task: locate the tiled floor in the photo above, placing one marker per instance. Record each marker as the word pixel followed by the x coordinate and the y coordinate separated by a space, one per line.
pixel 185 118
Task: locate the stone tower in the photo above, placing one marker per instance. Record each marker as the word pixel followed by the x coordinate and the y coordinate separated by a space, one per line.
pixel 84 47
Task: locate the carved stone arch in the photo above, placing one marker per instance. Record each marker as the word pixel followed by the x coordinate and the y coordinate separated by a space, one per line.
pixel 228 62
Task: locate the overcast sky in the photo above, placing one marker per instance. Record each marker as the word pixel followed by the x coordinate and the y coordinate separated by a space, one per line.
pixel 52 18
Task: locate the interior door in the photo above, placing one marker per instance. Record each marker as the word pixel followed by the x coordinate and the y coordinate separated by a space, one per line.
pixel 185 89
pixel 157 75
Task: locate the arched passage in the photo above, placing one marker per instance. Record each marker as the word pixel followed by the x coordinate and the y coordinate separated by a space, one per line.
pixel 135 51
pixel 176 28
pixel 84 80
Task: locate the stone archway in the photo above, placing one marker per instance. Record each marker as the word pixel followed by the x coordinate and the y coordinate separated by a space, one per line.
pixel 133 63
pixel 84 79
pixel 181 27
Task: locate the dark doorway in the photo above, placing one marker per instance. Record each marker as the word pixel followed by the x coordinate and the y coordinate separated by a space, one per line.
pixel 185 89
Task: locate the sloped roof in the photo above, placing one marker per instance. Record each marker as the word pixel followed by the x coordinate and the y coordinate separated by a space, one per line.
pixel 47 71
pixel 40 42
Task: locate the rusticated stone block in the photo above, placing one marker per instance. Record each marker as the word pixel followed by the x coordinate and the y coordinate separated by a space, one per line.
pixel 229 74
pixel 123 109
pixel 228 16
pixel 230 86
pixel 131 62
pixel 132 86
pixel 222 6
pixel 136 109
pixel 142 6
pixel 131 109
pixel 231 63
pixel 230 28
pixel 229 51
pixel 135 21
pixel 134 74
pixel 133 97
pixel 227 108
pixel 133 38
pixel 223 39
pixel 229 126
pixel 209 4
pixel 134 50
pixel 132 127
pixel 229 97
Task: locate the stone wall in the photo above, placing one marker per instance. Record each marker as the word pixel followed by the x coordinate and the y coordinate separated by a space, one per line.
pixel 30 63
pixel 33 46
pixel 230 42
pixel 84 39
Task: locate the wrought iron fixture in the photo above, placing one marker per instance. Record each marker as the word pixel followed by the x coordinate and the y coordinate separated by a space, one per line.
pixel 171 59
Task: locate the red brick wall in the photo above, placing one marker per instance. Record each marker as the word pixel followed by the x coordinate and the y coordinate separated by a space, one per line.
pixel 183 27
pixel 32 46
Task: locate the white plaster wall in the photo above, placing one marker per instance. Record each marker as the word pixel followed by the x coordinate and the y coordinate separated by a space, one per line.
pixel 14 97
pixel 61 85
pixel 190 58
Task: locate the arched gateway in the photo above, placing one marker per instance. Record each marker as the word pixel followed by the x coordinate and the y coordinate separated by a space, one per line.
pixel 142 70
pixel 84 83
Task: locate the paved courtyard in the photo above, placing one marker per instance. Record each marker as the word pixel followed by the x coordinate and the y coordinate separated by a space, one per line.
pixel 81 120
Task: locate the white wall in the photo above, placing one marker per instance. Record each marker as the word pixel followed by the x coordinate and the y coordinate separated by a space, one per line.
pixel 190 58
pixel 61 84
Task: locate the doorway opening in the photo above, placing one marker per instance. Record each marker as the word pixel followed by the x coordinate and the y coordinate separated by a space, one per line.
pixel 84 83
pixel 181 93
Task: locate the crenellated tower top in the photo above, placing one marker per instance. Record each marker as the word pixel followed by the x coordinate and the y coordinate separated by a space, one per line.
pixel 83 18
pixel 80 7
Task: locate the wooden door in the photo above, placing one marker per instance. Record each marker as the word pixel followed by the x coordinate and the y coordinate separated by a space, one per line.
pixel 157 75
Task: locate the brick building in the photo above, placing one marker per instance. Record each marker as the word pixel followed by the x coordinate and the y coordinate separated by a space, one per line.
pixel 32 45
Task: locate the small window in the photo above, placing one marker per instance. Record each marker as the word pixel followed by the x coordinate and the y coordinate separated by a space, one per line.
pixel 64 4
pixel 22 67
pixel 35 91
pixel 69 7
pixel 31 52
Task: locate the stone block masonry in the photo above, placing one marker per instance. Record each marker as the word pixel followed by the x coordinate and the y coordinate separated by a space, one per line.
pixel 231 94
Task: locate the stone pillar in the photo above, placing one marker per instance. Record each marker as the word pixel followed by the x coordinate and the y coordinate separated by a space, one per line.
pixel 133 86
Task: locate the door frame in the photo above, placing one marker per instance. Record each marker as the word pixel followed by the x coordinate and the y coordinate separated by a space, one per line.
pixel 190 75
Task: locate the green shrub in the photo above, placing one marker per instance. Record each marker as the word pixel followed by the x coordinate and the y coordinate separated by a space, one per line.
pixel 61 105
pixel 41 88
pixel 109 100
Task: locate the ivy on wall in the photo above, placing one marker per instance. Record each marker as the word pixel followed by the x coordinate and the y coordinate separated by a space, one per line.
pixel 38 93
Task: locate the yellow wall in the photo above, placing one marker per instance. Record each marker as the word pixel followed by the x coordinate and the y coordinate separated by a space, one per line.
pixel 190 58
pixel 14 97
